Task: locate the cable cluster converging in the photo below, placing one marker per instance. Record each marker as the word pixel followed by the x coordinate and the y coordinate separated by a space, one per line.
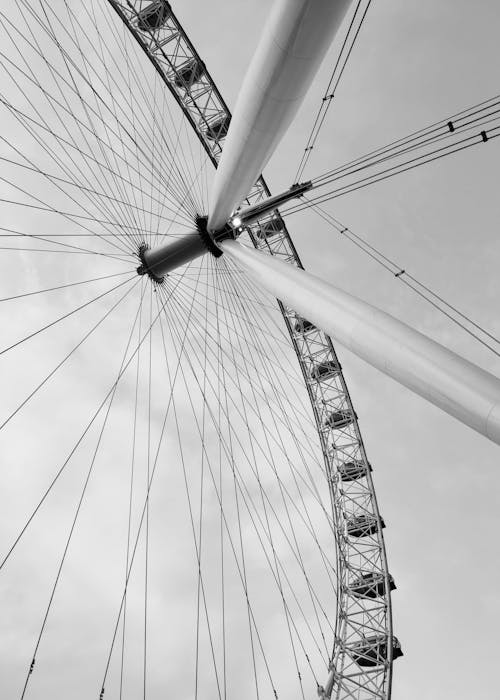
pixel 472 126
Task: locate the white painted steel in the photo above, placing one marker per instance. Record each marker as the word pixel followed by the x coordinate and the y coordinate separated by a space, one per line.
pixel 439 375
pixel 294 42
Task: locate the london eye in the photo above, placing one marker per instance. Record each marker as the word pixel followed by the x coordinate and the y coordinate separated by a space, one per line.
pixel 188 501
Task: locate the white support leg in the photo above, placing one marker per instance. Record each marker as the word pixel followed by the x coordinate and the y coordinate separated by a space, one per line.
pixel 295 39
pixel 447 380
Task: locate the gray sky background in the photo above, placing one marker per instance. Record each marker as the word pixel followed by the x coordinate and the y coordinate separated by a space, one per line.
pixel 437 482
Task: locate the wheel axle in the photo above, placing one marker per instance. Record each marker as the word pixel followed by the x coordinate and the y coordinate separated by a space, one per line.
pixel 159 261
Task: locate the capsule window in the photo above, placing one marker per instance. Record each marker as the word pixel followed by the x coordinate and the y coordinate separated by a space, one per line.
pixel 302 325
pixel 325 369
pixel 363 525
pixel 218 129
pixel 352 470
pixel 188 74
pixel 271 228
pixel 153 16
pixel 371 585
pixel 339 419
pixel 373 651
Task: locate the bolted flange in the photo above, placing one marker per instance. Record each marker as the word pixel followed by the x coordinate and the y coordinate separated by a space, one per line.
pixel 143 268
pixel 201 227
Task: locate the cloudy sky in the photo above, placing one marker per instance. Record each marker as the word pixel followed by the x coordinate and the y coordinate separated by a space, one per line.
pixel 437 482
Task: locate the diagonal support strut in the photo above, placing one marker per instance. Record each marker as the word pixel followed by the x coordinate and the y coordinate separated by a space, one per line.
pixel 295 39
pixel 419 363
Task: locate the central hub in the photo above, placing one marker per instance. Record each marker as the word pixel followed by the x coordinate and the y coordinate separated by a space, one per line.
pixel 159 261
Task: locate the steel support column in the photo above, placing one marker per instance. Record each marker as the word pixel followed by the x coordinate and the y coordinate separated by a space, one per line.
pixel 295 39
pixel 439 375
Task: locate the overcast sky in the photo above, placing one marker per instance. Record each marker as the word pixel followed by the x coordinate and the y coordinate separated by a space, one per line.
pixel 437 482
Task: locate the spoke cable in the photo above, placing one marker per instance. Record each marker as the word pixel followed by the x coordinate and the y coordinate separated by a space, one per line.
pixel 338 70
pixel 66 357
pixel 431 297
pixel 78 508
pixel 66 315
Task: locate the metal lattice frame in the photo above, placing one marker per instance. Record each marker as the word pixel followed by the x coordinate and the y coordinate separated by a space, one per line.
pixel 364 646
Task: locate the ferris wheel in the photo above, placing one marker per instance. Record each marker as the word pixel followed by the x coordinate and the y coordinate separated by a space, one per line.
pixel 191 508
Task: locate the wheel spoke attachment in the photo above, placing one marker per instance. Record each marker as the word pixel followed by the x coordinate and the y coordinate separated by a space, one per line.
pixel 160 260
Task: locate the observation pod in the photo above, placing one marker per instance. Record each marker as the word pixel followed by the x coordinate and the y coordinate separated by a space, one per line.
pixel 371 585
pixel 153 16
pixel 364 525
pixel 270 228
pixel 373 651
pixel 302 325
pixel 339 419
pixel 325 369
pixel 217 128
pixel 189 73
pixel 351 471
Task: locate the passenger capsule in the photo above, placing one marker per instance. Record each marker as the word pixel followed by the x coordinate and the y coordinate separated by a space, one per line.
pixel 270 228
pixel 373 651
pixel 371 585
pixel 323 370
pixel 218 128
pixel 363 525
pixel 189 73
pixel 303 326
pixel 339 419
pixel 153 16
pixel 350 471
